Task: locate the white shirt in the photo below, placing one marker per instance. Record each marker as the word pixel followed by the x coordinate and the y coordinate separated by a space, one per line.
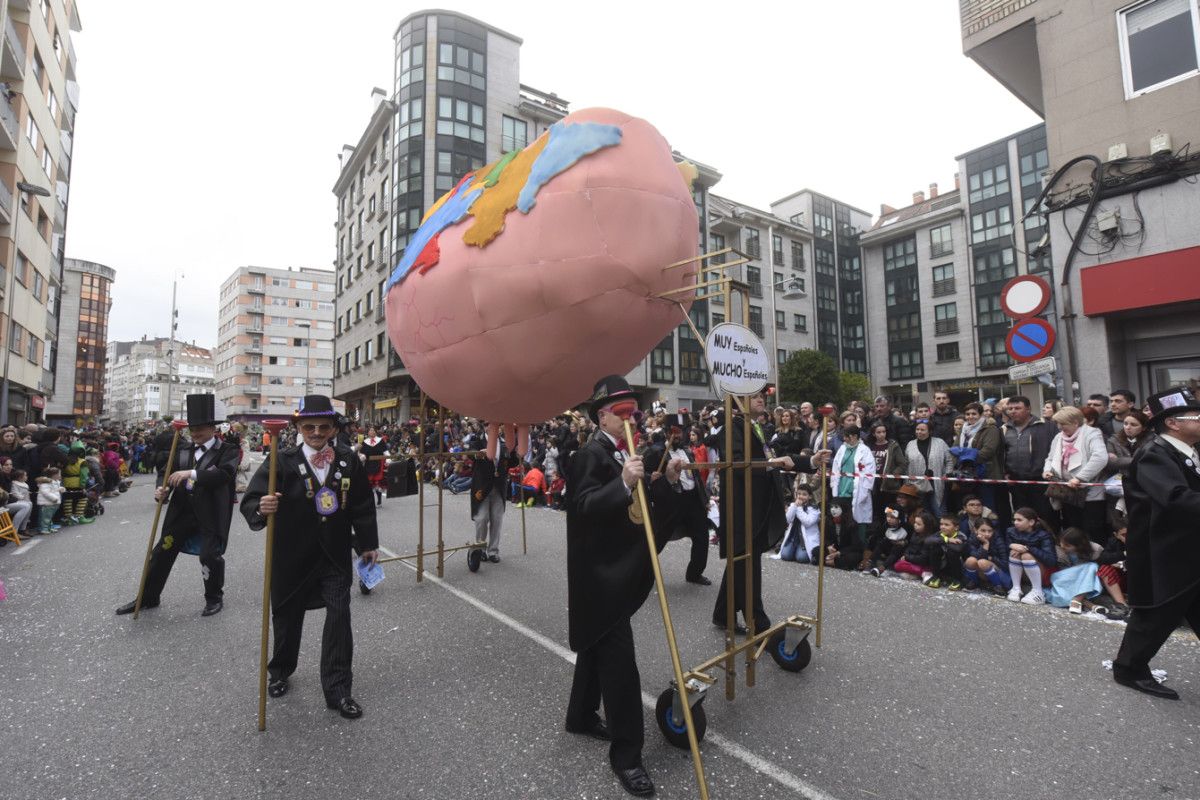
pixel 320 473
pixel 620 456
pixel 686 481
pixel 198 453
pixel 1183 447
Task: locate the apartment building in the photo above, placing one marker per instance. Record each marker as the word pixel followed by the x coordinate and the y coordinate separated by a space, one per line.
pixel 936 269
pixel 274 340
pixel 39 96
pixel 1118 85
pixel 86 300
pixel 837 279
pixel 138 374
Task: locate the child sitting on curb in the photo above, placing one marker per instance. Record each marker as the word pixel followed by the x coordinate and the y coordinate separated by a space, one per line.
pixel 1030 550
pixel 985 550
pixel 891 545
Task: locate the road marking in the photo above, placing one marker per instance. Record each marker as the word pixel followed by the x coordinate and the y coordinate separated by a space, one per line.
pixel 29 545
pixel 747 757
pixel 124 522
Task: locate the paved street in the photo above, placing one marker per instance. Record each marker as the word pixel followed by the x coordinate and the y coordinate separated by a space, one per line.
pixel 915 693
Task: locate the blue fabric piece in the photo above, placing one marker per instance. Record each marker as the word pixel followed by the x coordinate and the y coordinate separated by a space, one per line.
pixel 565 145
pixel 1069 583
pixel 452 211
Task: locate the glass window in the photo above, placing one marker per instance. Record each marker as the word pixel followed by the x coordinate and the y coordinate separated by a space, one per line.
pixel 800 322
pixel 992 352
pixel 1158 44
pixel 988 183
pixel 756 323
pixel 515 134
pixel 940 243
pixel 945 311
pixel 989 311
pixel 997 265
pixel 797 255
pixel 899 254
pixel 901 290
pixel 992 224
pixel 947 351
pixel 662 361
pixel 904 327
pixel 781 356
pixel 906 364
pixel 752 246
pixel 781 320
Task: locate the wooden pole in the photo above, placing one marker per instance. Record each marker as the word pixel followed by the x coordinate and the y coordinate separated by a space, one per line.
pixel 824 516
pixel 178 425
pixel 274 427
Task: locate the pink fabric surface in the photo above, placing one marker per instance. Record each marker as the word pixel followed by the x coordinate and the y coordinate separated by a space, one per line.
pixel 521 329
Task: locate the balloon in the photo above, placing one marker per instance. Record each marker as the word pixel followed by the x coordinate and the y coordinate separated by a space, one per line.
pixel 538 274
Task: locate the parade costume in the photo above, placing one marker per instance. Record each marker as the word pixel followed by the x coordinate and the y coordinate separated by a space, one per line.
pixel 609 576
pixel 376 474
pixel 489 480
pixel 325 511
pixel 692 522
pixel 199 511
pixel 1162 496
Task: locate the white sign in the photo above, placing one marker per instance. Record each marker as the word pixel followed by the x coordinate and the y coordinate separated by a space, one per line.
pixel 1031 369
pixel 737 359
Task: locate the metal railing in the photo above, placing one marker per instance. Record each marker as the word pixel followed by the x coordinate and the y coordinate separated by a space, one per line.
pixel 944 326
pixel 6 198
pixel 943 287
pixel 13 43
pixel 8 118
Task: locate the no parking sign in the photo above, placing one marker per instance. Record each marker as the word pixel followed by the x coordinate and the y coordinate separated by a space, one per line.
pixel 1031 337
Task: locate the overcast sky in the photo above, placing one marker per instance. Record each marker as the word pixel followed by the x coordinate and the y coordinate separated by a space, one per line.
pixel 208 133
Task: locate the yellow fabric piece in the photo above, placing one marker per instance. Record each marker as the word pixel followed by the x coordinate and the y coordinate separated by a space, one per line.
pixel 689 172
pixel 490 208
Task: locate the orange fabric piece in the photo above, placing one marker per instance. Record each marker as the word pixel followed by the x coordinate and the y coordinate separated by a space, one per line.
pixel 490 208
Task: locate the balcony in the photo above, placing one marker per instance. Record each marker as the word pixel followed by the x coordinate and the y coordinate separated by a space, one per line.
pixel 382 261
pixel 798 328
pixel 943 287
pixel 944 327
pixel 10 130
pixel 255 309
pixel 253 369
pixel 254 348
pixel 383 161
pixel 757 327
pixel 12 64
pixel 256 288
pixel 6 201
pixel 253 388
pixel 756 289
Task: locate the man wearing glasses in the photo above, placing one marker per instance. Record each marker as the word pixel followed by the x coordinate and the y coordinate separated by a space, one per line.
pixel 325 509
pixel 1162 495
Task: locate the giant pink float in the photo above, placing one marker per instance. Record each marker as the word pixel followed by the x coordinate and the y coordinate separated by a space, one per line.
pixel 543 271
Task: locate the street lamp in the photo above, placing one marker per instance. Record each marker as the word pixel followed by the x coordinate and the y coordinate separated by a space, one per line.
pixel 307 350
pixel 25 188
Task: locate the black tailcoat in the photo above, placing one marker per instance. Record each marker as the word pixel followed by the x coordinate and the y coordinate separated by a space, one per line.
pixel 485 478
pixel 1162 498
pixel 608 566
pixel 306 542
pixel 207 510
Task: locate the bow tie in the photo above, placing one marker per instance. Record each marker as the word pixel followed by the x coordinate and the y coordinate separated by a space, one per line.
pixel 621 446
pixel 321 458
pixel 199 449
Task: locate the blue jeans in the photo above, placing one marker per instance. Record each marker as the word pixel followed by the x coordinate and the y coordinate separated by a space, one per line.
pixel 46 517
pixel 793 550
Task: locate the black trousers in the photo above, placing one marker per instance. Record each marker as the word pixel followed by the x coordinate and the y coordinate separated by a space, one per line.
pixel 695 522
pixel 608 671
pixel 761 620
pixel 1149 628
pixel 337 640
pixel 1034 497
pixel 212 569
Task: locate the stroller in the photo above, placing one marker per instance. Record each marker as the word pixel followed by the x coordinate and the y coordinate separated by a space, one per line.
pixel 95 488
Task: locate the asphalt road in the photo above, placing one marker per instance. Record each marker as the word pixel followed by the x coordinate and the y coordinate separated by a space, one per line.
pixel 914 693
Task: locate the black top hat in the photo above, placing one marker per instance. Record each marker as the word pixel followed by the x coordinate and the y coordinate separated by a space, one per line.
pixel 608 390
pixel 204 409
pixel 315 405
pixel 1171 402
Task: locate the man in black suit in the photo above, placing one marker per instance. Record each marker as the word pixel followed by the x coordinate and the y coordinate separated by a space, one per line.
pixel 609 576
pixel 489 482
pixel 767 514
pixel 324 507
pixel 201 487
pixel 1162 551
pixel 692 520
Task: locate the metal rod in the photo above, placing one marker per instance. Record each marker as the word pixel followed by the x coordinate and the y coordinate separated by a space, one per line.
pixel 275 429
pixel 467 546
pixel 137 604
pixel 746 644
pixel 680 686
pixel 824 516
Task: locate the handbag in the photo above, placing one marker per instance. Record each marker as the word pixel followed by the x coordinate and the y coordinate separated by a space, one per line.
pixel 1066 495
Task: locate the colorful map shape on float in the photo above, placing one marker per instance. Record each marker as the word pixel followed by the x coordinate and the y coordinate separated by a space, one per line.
pixel 490 193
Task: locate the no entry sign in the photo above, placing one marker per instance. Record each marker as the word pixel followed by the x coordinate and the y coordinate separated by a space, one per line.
pixel 1024 296
pixel 1030 339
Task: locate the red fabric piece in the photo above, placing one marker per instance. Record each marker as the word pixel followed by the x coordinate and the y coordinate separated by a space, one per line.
pixel 429 257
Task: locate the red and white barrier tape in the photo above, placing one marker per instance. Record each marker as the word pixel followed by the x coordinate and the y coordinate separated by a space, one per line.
pixel 952 478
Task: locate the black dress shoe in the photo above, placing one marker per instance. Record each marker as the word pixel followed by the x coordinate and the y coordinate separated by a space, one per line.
pixel 212 608
pixel 277 687
pixel 738 627
pixel 347 707
pixel 635 781
pixel 597 731
pixel 128 607
pixel 1148 686
pixel 494 559
pixel 703 581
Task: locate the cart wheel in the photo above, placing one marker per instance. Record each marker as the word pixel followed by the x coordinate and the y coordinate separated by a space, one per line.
pixel 795 662
pixel 362 587
pixel 474 559
pixel 677 734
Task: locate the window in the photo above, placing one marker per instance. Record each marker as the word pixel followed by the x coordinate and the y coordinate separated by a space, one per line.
pixel 991 352
pixel 901 290
pixel 777 250
pixel 369 297
pixel 662 361
pixel 691 367
pixel 940 242
pixel 781 357
pixel 906 364
pixel 460 118
pixel 852 302
pixel 853 336
pixel 824 259
pixel 367 350
pixel 988 183
pixel 752 246
pixel 827 298
pixel 756 322
pixel 718 319
pixel 996 266
pixel 461 65
pixel 851 268
pixel 897 255
pixel 943 280
pixel 945 319
pixel 989 225
pixel 39 283
pixel 947 351
pixel 904 327
pixel 781 320
pixel 1158 44
pixel 754 278
pixel 800 323
pixel 15 333
pixel 797 255
pixel 988 310
pixel 514 135
pixel 1032 166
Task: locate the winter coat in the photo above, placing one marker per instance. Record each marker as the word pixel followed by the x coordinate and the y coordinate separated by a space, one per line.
pixel 939 464
pixel 1040 544
pixel 1119 446
pixel 990 444
pixel 49 492
pixel 1086 463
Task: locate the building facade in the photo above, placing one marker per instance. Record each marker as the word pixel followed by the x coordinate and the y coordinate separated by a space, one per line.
pixel 38 100
pixel 274 340
pixel 138 373
pixel 837 275
pixel 1118 84
pixel 936 270
pixel 86 299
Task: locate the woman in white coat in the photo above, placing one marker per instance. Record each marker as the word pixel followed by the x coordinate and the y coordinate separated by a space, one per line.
pixel 929 456
pixel 1078 455
pixel 854 468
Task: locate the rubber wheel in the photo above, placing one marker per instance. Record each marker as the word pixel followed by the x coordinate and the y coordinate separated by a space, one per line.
pixel 474 559
pixel 677 734
pixel 797 661
pixel 362 587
